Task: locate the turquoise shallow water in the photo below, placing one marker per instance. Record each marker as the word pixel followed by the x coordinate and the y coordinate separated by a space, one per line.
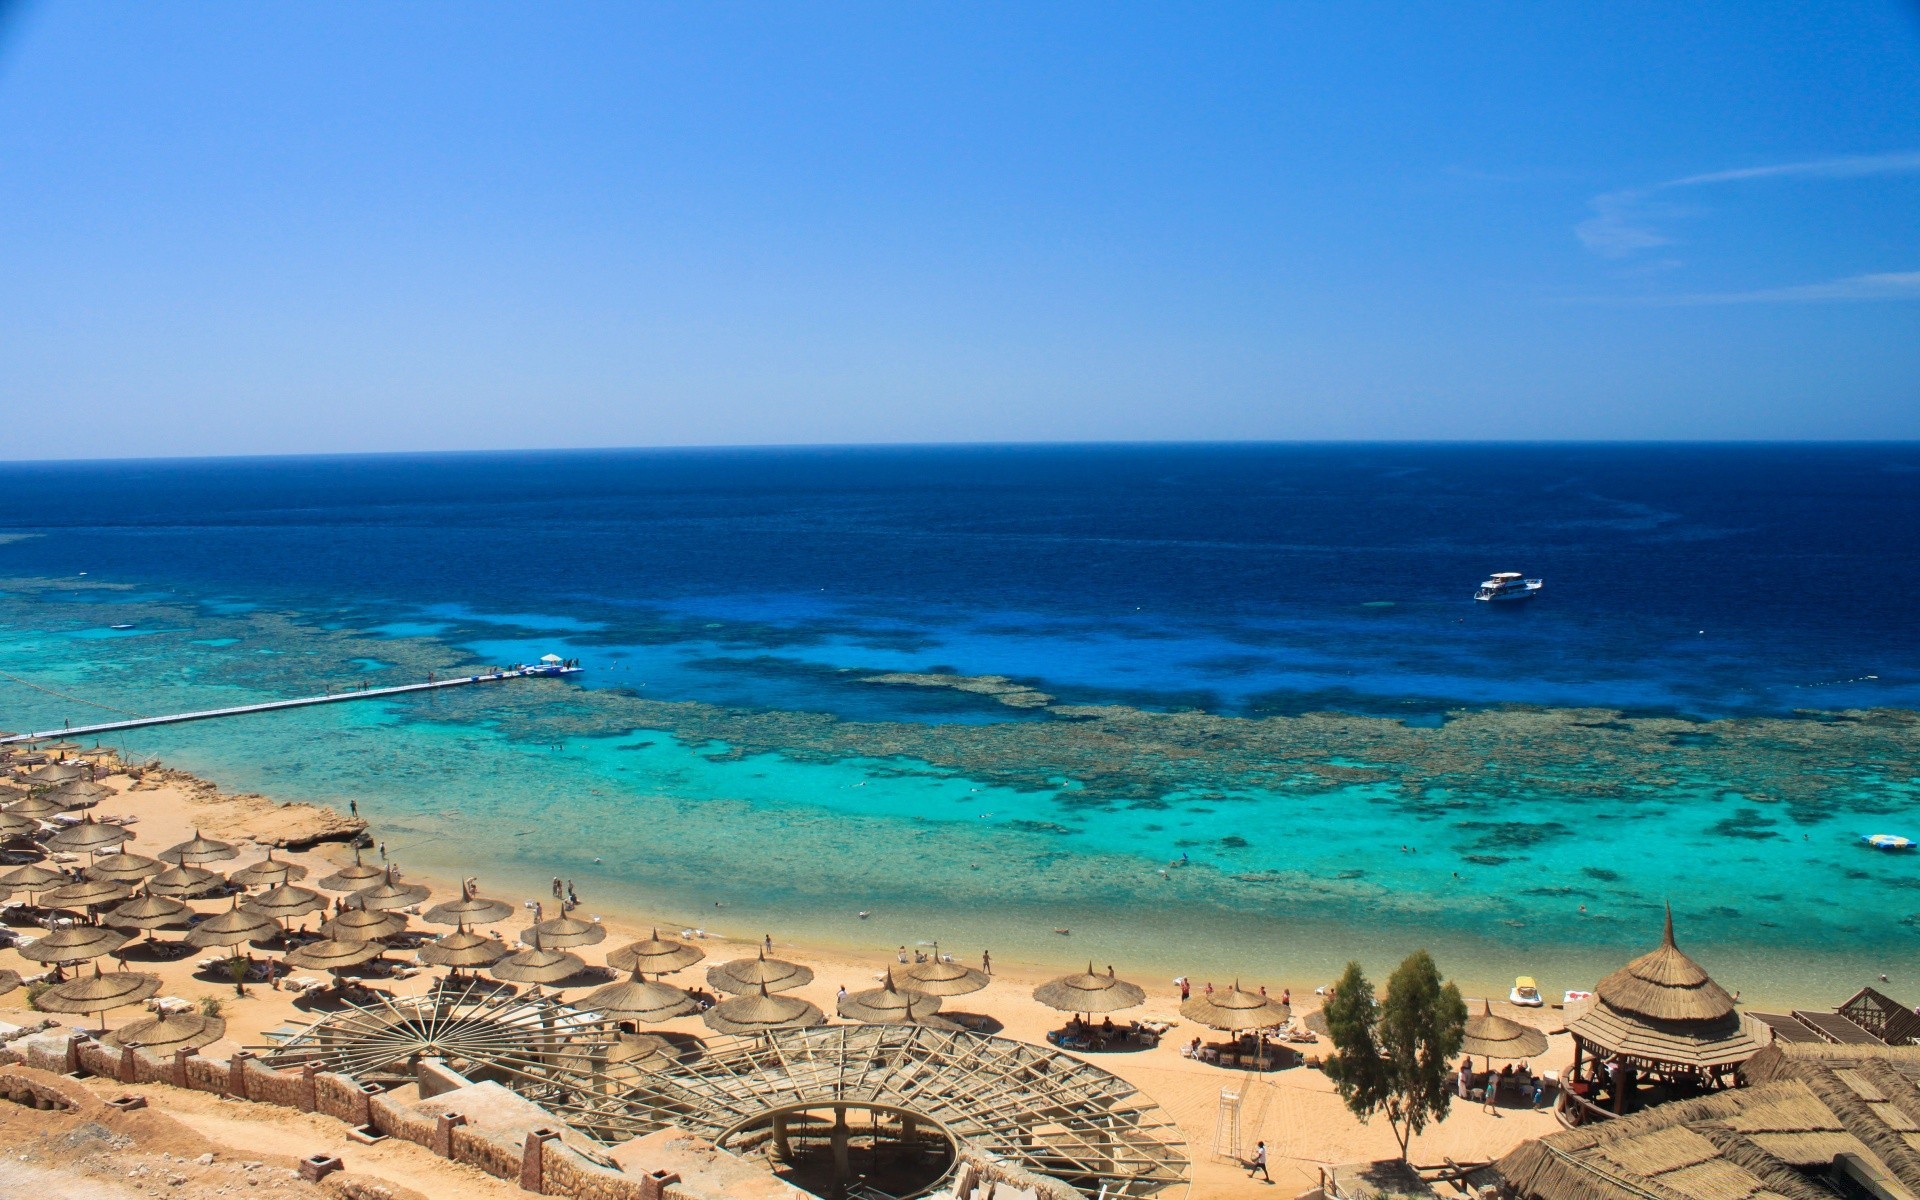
pixel 1544 871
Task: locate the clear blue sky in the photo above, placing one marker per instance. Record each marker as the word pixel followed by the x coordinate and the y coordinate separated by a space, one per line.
pixel 246 228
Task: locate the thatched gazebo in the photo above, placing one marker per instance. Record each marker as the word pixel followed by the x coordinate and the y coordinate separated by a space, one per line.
pixel 1660 1018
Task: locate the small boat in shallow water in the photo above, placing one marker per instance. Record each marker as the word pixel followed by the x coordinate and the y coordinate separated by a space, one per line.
pixel 1888 841
pixel 1525 993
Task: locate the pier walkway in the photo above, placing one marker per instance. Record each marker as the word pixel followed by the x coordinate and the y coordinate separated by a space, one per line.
pixel 538 671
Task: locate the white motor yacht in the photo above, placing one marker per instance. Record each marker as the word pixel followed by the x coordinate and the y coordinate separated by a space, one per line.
pixel 1507 586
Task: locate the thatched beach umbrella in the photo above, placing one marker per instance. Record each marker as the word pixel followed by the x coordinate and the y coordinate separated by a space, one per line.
pixel 469 910
pixel 744 976
pixel 124 868
pixel 184 882
pixel 463 948
pixel 63 746
pixel 1090 993
pixel 937 978
pixel 197 850
pixel 9 980
pixel 354 878
pixel 54 773
pixel 565 933
pixel 36 808
pixel 268 872
pixel 32 878
pixel 388 894
pixel 655 955
pixel 76 943
pixel 165 1035
pixel 636 999
pixel 99 993
pixel 360 925
pixel 1492 1036
pixel 888 1005
pixel 761 1010
pixel 1234 1010
pixel 230 928
pixel 14 825
pixel 80 792
pixel 149 912
pixel 333 955
pixel 538 966
pixel 90 837
pixel 85 893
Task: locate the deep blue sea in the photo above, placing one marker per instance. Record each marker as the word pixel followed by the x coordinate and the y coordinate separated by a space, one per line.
pixel 1714 584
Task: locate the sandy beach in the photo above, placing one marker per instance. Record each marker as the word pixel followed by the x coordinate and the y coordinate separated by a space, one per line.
pixel 1295 1111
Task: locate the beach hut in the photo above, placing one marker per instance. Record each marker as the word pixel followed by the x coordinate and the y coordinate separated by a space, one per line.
pixel 197 850
pixel 1659 1021
pixel 761 1010
pixel 637 999
pixel 99 993
pixel 744 976
pixel 888 1004
pixel 655 955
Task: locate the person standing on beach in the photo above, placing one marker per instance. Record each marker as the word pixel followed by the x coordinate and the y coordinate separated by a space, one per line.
pixel 353 807
pixel 1259 1162
pixel 1466 1078
pixel 986 961
pixel 766 943
pixel 1186 990
pixel 556 887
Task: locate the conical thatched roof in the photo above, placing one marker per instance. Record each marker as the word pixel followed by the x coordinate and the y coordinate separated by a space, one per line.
pixel 287 901
pixel 268 872
pixel 1232 1010
pixel 564 933
pixel 77 792
pixel 637 999
pixel 54 773
pixel 1491 1036
pixel 1663 1008
pixel 888 1004
pixel 332 955
pixel 9 980
pixel 184 881
pixel 32 878
pixel 36 808
pixel 99 992
pixel 196 850
pixel 359 925
pixel 14 825
pixel 655 955
pixel 746 975
pixel 463 949
pixel 76 943
pixel 353 878
pixel 538 965
pixel 149 912
pixel 232 927
pixel 388 894
pixel 124 868
pixel 472 910
pixel 1090 993
pixel 85 893
pixel 760 1010
pixel 168 1034
pixel 936 978
pixel 90 837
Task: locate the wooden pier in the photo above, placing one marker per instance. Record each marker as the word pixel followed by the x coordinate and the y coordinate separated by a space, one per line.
pixel 538 671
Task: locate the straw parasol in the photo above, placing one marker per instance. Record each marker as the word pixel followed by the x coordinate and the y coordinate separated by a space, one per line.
pixel 888 1004
pixel 538 966
pixel 268 872
pixel 148 912
pixel 233 927
pixel 745 975
pixel 564 933
pixel 761 1010
pixel 1090 993
pixel 32 878
pixel 54 773
pixel 89 837
pixel 1234 1010
pixel 360 925
pixel 85 893
pixel 63 746
pixel 124 868
pixel 353 878
pixel 1492 1037
pixel 197 850
pixel 76 943
pixel 333 955
pixel 79 792
pixel 388 894
pixel 98 993
pixel 165 1035
pixel 184 882
pixel 937 978
pixel 9 980
pixel 636 999
pixel 36 808
pixel 470 910
pixel 463 949
pixel 655 955
pixel 12 824
pixel 286 902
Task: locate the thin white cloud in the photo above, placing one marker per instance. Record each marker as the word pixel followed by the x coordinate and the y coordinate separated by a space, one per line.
pixel 1882 285
pixel 1624 222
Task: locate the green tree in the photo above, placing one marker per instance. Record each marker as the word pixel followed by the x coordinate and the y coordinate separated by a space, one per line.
pixel 1395 1057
